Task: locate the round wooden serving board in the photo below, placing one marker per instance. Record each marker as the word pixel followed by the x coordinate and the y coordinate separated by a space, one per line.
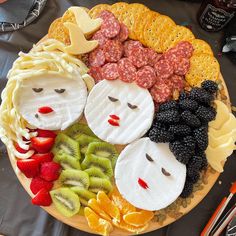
pixel 79 221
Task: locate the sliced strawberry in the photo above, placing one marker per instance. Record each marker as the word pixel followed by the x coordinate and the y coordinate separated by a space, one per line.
pixel 46 133
pixel 43 157
pixel 29 167
pixel 42 144
pixel 42 198
pixel 50 171
pixel 37 184
pixel 45 110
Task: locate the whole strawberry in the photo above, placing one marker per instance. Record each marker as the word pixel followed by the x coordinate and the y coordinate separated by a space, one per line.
pixel 50 171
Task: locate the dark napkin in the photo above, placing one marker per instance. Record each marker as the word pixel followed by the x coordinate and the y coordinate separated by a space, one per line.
pixel 15 11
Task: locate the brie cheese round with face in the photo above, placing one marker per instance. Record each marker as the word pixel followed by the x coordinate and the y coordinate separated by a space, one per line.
pixel 148 175
pixel 51 102
pixel 119 112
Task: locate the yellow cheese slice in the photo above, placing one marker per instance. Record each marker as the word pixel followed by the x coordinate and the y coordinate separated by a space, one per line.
pixel 222 115
pixel 217 156
pixel 83 20
pixel 79 44
pixel 89 81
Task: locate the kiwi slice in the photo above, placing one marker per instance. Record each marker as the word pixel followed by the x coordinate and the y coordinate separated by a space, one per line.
pixel 84 195
pixel 84 140
pixel 103 149
pixel 67 161
pixel 64 144
pixel 98 184
pixel 66 201
pixel 77 129
pixel 95 172
pixel 102 163
pixel 72 178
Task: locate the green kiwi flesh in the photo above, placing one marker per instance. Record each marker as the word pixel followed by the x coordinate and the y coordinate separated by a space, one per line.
pixel 84 195
pixel 72 178
pixel 84 140
pixel 64 144
pixel 66 201
pixel 95 172
pixel 102 163
pixel 77 129
pixel 98 184
pixel 67 161
pixel 103 149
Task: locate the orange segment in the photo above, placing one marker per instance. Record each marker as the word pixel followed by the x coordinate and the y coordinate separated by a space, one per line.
pixel 107 205
pixel 130 228
pixel 96 207
pixel 97 224
pixel 123 205
pixel 138 218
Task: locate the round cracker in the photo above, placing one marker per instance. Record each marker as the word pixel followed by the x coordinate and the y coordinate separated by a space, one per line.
pixel 118 8
pixel 178 33
pixel 95 11
pixel 69 16
pixel 201 46
pixel 202 67
pixel 59 32
pixel 154 29
pixel 129 16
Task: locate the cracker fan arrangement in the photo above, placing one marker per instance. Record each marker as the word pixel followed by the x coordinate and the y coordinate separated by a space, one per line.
pixel 116 118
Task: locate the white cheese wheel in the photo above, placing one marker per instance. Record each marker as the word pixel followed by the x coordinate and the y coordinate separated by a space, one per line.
pixel 67 106
pixel 133 164
pixel 132 123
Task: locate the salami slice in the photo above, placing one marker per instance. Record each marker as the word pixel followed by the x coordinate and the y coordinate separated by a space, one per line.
pixel 113 50
pixel 123 34
pixel 100 37
pixel 146 77
pixel 110 27
pixel 110 71
pixel 130 45
pixel 182 65
pixel 96 58
pixel 95 72
pixel 153 57
pixel 177 82
pixel 138 57
pixel 164 69
pixel 160 92
pixel 127 70
pixel 104 15
pixel 184 49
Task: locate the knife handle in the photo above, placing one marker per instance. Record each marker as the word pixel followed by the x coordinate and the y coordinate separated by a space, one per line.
pixel 211 222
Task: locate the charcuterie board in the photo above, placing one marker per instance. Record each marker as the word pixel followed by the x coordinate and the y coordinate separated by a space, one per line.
pixel 147 99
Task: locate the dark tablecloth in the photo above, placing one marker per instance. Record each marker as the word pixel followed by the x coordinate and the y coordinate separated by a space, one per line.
pixel 17 216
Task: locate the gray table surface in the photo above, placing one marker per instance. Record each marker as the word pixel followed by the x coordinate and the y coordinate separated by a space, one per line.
pixel 17 216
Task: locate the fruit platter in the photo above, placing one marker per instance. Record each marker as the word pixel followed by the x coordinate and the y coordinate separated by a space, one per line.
pixel 118 121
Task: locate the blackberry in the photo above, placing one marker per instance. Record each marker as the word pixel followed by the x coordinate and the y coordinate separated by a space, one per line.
pixel 210 86
pixel 195 177
pixel 188 104
pixel 206 114
pixel 160 135
pixel 189 142
pixel 201 95
pixel 180 130
pixel 183 95
pixel 202 155
pixel 195 163
pixel 190 119
pixel 168 105
pixel 188 189
pixel 169 117
pixel 181 153
pixel 201 137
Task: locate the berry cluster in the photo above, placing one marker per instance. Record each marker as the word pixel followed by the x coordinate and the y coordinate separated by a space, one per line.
pixel 184 124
